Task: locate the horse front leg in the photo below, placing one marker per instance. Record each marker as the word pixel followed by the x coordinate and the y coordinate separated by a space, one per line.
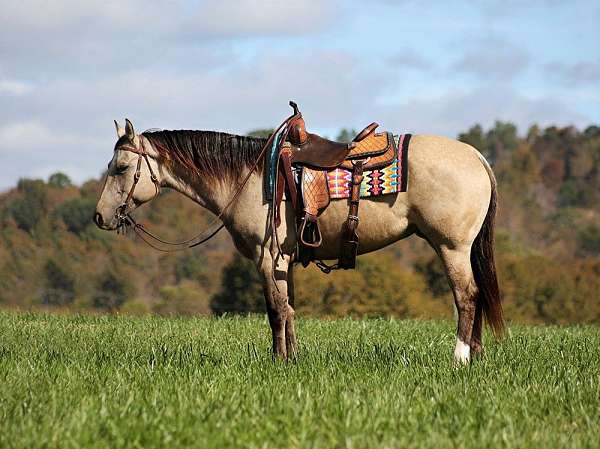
pixel 290 330
pixel 280 313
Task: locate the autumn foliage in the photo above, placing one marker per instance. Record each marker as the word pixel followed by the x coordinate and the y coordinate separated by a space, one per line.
pixel 547 245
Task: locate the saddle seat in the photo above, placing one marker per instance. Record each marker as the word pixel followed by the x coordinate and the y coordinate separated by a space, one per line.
pixel 317 152
pixel 313 156
pixel 313 150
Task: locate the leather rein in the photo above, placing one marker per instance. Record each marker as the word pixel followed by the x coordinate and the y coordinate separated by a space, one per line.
pixel 125 220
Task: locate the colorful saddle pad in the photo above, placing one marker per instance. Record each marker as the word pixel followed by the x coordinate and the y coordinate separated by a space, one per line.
pixel 391 179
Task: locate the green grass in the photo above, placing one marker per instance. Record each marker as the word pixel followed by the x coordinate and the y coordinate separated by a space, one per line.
pixel 70 382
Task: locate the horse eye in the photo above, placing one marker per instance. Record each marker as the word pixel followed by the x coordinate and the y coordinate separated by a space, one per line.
pixel 121 169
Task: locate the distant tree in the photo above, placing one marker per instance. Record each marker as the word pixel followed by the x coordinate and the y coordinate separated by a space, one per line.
pixel 476 138
pixel 33 204
pixel 533 133
pixel 346 135
pixel 434 273
pixel 592 132
pixel 77 213
pixel 500 139
pixel 568 195
pixel 266 132
pixel 184 299
pixel 588 240
pixel 59 180
pixel 91 189
pixel 34 189
pixel 192 266
pixel 241 288
pixel 25 213
pixel 60 285
pixel 113 290
pixel 378 287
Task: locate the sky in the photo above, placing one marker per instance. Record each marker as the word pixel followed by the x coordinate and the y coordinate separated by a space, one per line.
pixel 68 68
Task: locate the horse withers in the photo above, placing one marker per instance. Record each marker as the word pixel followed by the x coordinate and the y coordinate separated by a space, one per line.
pixel 450 202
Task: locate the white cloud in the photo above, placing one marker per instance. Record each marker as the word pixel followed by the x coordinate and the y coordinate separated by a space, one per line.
pixel 14 87
pixel 332 88
pixel 494 58
pixel 451 113
pixel 25 136
pixel 578 73
pixel 333 84
pixel 33 149
pixel 61 18
pixel 97 32
pixel 243 18
pixel 409 58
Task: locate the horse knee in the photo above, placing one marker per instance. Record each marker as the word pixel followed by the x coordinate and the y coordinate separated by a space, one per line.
pixel 291 313
pixel 277 309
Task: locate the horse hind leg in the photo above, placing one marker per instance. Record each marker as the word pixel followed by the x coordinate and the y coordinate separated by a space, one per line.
pixel 476 336
pixel 464 288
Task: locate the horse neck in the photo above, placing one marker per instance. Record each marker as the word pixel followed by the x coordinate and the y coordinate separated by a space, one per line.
pixel 212 194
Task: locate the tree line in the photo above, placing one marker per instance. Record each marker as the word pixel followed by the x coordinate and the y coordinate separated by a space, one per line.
pixel 548 247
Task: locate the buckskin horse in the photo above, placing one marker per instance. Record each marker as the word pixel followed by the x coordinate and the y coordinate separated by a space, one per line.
pixel 450 202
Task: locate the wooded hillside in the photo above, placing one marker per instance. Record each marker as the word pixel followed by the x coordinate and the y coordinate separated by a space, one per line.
pixel 548 247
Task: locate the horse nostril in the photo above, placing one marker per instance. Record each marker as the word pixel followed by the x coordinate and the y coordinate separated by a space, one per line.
pixel 98 219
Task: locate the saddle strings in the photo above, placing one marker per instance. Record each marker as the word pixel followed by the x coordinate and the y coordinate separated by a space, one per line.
pixel 281 138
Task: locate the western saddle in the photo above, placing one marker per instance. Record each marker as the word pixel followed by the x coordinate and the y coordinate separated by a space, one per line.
pixel 304 160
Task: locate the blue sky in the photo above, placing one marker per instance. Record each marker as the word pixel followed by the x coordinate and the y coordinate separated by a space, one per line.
pixel 67 68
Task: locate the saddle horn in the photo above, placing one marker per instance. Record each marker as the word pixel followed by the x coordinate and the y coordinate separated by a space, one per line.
pixel 295 107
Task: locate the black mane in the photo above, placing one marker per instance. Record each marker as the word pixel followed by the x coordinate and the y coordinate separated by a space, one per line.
pixel 208 153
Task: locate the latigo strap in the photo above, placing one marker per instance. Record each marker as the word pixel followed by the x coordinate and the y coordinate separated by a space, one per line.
pixel 350 242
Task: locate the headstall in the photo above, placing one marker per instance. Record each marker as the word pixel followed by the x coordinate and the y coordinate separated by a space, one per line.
pixel 121 212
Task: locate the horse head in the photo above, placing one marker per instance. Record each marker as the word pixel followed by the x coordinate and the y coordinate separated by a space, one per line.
pixel 131 179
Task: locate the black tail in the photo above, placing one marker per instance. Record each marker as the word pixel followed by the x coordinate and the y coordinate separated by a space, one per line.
pixel 484 267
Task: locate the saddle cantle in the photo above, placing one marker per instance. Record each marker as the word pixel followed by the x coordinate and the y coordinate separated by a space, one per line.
pixel 313 157
pixel 377 150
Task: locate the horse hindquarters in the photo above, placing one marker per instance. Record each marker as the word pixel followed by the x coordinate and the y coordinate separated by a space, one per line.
pixel 472 275
pixel 452 196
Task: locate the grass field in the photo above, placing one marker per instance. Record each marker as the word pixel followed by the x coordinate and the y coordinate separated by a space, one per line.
pixel 69 382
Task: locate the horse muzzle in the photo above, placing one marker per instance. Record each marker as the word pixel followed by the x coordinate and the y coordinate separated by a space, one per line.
pixel 104 225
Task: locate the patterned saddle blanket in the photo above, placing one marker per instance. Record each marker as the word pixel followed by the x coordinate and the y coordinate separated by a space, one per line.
pixel 390 179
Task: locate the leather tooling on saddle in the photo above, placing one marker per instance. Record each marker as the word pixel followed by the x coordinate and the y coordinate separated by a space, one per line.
pixel 312 170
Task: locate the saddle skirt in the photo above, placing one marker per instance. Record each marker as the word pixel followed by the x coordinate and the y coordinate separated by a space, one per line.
pixel 391 178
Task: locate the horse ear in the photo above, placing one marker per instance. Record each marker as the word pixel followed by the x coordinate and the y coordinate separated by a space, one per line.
pixel 120 130
pixel 129 129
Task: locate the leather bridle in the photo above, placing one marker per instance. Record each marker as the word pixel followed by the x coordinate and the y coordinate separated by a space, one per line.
pixel 120 212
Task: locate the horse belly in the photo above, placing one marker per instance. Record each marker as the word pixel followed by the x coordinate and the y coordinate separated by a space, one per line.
pixel 383 220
